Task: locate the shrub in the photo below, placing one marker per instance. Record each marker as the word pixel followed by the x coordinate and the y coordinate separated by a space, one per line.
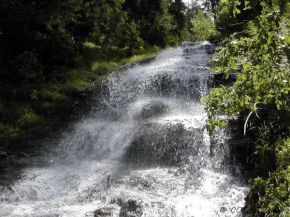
pixel 269 197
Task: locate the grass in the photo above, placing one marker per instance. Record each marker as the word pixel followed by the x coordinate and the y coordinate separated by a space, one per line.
pixel 98 71
pixel 102 68
pixel 82 79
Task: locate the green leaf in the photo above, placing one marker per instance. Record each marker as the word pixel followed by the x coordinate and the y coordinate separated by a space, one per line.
pixel 236 11
pixel 247 66
pixel 247 5
pixel 269 41
pixel 227 76
pixel 287 40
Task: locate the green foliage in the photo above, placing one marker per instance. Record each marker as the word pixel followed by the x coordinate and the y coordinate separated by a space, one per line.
pixel 177 9
pixel 29 119
pixel 158 22
pixel 232 15
pixel 203 27
pixel 262 62
pixel 270 197
pixel 140 55
pixel 28 68
pixel 283 153
pixel 103 67
pixel 171 39
pixel 258 56
pixel 187 33
pixel 147 52
pixel 265 153
pixel 8 134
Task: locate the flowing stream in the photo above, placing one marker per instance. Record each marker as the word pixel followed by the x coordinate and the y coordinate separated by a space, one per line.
pixel 142 152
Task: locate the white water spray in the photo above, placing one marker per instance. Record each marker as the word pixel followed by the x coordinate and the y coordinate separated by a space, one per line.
pixel 146 144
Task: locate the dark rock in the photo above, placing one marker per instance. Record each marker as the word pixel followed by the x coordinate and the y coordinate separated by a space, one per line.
pixel 3 154
pixel 151 109
pixel 209 48
pixel 192 49
pixel 163 145
pixel 220 79
pixel 132 208
pixel 104 211
pixel 166 85
pixel 241 148
pixel 22 154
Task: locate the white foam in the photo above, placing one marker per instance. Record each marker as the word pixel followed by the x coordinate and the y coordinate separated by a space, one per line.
pixel 89 172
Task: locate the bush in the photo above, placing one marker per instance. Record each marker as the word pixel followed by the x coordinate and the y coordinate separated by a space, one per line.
pixel 269 197
pixel 261 61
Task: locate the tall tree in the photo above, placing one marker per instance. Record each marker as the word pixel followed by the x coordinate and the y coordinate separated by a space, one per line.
pixel 177 8
pixel 153 19
pixel 191 11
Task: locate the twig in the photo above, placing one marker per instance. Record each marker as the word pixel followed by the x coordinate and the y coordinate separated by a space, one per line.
pixel 245 125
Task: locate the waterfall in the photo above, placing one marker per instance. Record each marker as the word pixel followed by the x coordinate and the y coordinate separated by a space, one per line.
pixel 143 151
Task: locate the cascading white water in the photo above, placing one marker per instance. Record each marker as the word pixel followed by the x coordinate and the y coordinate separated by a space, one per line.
pixel 145 144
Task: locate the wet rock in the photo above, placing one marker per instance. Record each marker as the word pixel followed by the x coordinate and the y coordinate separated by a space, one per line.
pixel 22 154
pixel 104 211
pixel 220 79
pixel 3 154
pixel 209 48
pixel 163 145
pixel 192 49
pixel 240 147
pixel 166 85
pixel 152 109
pixel 132 208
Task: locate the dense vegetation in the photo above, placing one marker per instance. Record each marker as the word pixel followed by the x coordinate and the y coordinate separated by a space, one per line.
pixel 50 50
pixel 258 52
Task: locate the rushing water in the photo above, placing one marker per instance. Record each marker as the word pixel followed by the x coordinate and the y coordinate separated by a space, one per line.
pixel 145 143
